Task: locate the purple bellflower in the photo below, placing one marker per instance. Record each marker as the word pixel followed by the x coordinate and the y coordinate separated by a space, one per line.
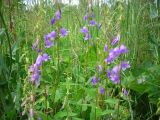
pixel 105 48
pixel 35 44
pixel 109 73
pixel 125 92
pixel 123 49
pixel 58 14
pixel 46 57
pixel 115 74
pixel 84 30
pixel 64 32
pixel 99 26
pixel 86 17
pixel 101 89
pixel 115 40
pixel 52 21
pixel 94 82
pixel 87 36
pixel 125 65
pixel 39 60
pixel 93 23
pixel 52 35
pixel 48 42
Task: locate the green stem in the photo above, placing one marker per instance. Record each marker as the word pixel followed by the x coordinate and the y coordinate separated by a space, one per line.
pixel 8 39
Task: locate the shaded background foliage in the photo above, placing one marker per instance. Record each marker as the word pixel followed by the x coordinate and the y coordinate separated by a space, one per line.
pixel 139 22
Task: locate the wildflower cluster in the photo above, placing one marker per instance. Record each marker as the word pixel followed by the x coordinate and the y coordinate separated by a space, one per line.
pixel 35 68
pixel 90 19
pixel 114 74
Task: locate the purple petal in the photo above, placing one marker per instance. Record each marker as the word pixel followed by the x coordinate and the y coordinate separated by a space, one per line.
pixel 125 65
pixel 115 40
pixel 35 44
pixel 52 35
pixel 46 57
pixel 109 73
pixel 101 90
pixel 99 26
pixel 58 15
pixel 84 30
pixel 64 32
pixel 105 47
pixel 125 92
pixel 123 49
pixel 87 36
pixel 94 80
pixel 86 17
pixel 39 60
pixel 93 23
pixel 52 21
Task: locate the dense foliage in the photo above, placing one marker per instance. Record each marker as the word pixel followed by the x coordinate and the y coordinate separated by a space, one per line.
pixel 90 62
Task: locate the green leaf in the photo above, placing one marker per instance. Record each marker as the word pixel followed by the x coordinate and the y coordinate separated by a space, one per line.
pixel 111 101
pixel 107 112
pixel 2 30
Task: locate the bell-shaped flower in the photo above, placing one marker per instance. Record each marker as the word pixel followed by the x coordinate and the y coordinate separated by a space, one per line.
pixel 52 35
pixel 48 42
pixel 46 57
pixel 101 89
pixel 123 49
pixel 94 81
pixel 93 23
pixel 58 14
pixel 125 65
pixel 63 32
pixel 115 40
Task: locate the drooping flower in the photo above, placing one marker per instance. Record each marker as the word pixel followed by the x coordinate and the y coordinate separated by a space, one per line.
pixel 109 73
pixel 39 60
pixel 93 23
pixel 123 49
pixel 52 21
pixel 58 14
pixel 86 17
pixel 87 36
pixel 84 30
pixel 99 26
pixel 116 69
pixel 115 78
pixel 105 48
pixel 125 92
pixel 94 82
pixel 115 40
pixel 115 74
pixel 116 51
pixel 125 65
pixel 64 32
pixel 48 42
pixel 52 35
pixel 35 44
pixel 101 89
pixel 46 57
